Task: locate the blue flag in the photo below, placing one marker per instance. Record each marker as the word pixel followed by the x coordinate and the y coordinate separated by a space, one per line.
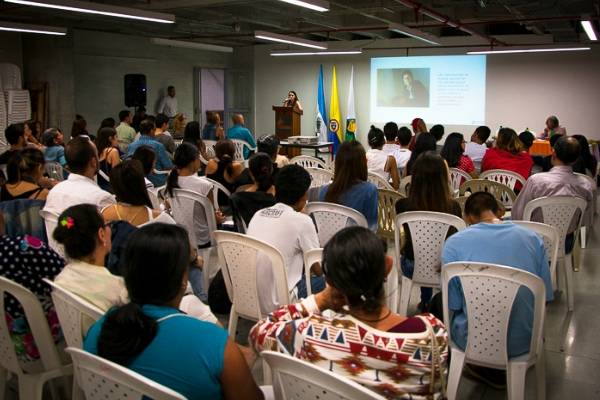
pixel 321 111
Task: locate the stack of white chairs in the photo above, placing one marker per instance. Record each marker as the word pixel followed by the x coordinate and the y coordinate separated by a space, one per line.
pixel 15 105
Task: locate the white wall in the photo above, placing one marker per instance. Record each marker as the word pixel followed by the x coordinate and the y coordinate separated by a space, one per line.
pixel 522 90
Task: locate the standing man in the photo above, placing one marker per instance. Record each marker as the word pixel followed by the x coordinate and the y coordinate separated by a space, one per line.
pixel 125 133
pixel 168 104
pixel 240 132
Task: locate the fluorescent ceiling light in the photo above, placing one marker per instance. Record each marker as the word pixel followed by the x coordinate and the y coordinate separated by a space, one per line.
pixel 315 53
pixel 275 37
pixel 530 50
pixel 588 27
pixel 100 9
pixel 317 5
pixel 191 45
pixel 414 33
pixel 18 27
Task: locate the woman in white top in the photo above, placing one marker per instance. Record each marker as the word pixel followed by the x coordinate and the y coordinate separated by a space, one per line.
pixel 379 162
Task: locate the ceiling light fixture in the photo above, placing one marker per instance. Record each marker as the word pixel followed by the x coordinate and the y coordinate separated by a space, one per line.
pixel 530 50
pixel 191 45
pixel 316 5
pixel 315 53
pixel 28 28
pixel 99 9
pixel 589 29
pixel 275 37
pixel 414 33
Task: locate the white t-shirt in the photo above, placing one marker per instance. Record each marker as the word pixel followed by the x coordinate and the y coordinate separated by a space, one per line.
pixel 77 189
pixel 290 232
pixel 376 160
pixel 202 186
pixel 401 155
pixel 168 106
pixel 475 151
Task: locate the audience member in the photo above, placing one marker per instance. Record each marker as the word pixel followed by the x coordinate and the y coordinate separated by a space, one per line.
pixel 429 191
pixel 79 128
pixel 356 266
pixel 162 135
pixel 438 133
pixel 240 132
pixel 168 104
pixel 426 142
pixel 350 187
pixel 586 163
pixel 108 122
pixel 404 138
pixel 526 139
pixel 391 146
pixel 15 136
pixel 163 162
pixel 138 117
pixel 108 154
pixel 25 179
pixel 378 161
pixel 80 187
pixel 125 132
pixel 192 135
pixel 552 128
pixel 476 148
pixel 269 144
pixel 286 228
pixel 260 194
pixel 36 261
pixel 223 169
pixel 213 129
pixel 32 134
pixel 146 156
pixel 418 127
pixel 147 334
pixel 179 123
pixel 53 140
pixel 508 154
pixel 559 181
pixel 453 152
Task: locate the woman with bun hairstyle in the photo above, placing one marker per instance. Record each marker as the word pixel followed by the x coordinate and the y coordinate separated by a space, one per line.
pixel 379 162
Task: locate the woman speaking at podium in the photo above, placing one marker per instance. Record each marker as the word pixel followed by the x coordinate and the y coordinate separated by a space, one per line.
pixel 292 101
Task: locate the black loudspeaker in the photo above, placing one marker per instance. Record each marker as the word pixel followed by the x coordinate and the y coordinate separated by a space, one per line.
pixel 135 90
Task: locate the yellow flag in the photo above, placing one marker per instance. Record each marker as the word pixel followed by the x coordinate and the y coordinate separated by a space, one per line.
pixel 335 131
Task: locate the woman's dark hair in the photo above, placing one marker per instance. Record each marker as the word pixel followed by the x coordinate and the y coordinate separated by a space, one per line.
pixel 145 155
pixel 354 263
pixel 425 142
pixel 103 139
pixel 107 123
pixel 192 134
pixel 128 185
pixel 79 127
pixel 225 152
pixel 526 139
pixel 291 184
pixel 350 169
pixel 437 131
pixel 430 186
pixel 155 262
pixel 32 124
pixel 268 144
pixel 586 160
pixel 22 165
pixel 261 168
pixel 295 97
pixel 185 154
pixel 453 149
pixel 79 232
pixel 49 135
pixel 376 138
pixel 508 140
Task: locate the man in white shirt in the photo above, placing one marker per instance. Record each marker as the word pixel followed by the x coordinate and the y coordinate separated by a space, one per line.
pixel 168 104
pixel 476 148
pixel 286 228
pixel 80 187
pixel 396 143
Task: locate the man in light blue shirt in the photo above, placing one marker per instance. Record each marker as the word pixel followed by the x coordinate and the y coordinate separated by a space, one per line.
pixel 163 162
pixel 240 132
pixel 490 240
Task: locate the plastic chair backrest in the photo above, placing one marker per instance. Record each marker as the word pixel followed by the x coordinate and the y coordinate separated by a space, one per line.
pixel 54 170
pixel 462 200
pixel 386 212
pixel 107 178
pixel 500 191
pixel 489 291
pixel 71 309
pixel 50 221
pixel 101 379
pixel 379 181
pixel 557 211
pixel 310 257
pixel 154 198
pixel 550 236
pixel 319 176
pixel 218 187
pixel 405 185
pixel 239 255
pixel 210 148
pixel 183 209
pixel 309 162
pixel 239 149
pixel 428 232
pixel 38 324
pixel 331 218
pixel 456 178
pixel 508 178
pixel 297 379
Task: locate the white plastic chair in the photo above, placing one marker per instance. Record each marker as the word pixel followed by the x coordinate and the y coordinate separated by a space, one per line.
pixel 428 232
pixel 218 187
pixel 50 221
pixel 503 176
pixel 559 211
pixel 107 178
pixel 386 212
pixel 239 149
pixel 183 209
pixel 101 379
pixel 456 179
pixel 210 148
pixel 331 218
pixel 297 379
pixel 379 181
pixel 489 291
pixel 310 257
pixel 319 176
pixel 405 185
pixel 54 170
pixel 31 376
pixel 551 239
pixel 155 195
pixel 500 191
pixel 309 162
pixel 590 223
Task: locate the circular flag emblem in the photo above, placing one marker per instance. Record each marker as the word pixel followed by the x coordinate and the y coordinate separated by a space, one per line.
pixel 334 125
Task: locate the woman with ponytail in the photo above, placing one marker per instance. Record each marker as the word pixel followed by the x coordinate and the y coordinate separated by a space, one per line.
pixel 26 180
pixel 260 194
pixel 224 169
pixel 152 337
pixel 362 339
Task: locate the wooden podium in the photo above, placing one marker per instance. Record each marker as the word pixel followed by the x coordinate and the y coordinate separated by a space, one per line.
pixel 287 123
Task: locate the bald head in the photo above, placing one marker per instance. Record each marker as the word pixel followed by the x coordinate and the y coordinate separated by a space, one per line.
pixel 566 150
pixel 238 119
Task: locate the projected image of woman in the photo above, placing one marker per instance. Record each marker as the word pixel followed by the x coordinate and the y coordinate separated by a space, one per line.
pixel 414 92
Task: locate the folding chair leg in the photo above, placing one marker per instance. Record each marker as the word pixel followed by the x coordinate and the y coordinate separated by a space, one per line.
pixel 233 320
pixel 3 379
pixel 540 375
pixel 267 378
pixel 515 375
pixel 583 237
pixel 457 362
pixel 569 280
pixel 206 268
pixel 30 388
pixel 405 295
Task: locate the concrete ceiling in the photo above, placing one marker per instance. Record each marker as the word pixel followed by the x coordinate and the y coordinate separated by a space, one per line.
pixel 232 22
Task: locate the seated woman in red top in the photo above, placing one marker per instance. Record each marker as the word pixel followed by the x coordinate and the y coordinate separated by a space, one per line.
pixel 508 154
pixel 454 154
